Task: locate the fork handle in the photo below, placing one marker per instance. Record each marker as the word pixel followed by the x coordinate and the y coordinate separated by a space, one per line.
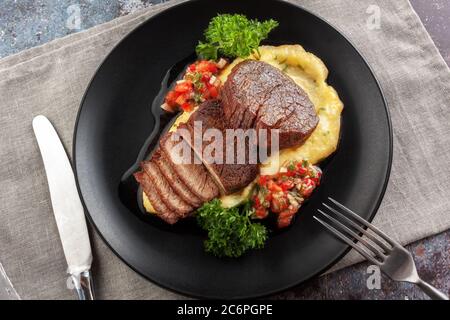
pixel 431 291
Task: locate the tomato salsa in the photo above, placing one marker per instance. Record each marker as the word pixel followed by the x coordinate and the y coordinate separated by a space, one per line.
pixel 284 192
pixel 199 84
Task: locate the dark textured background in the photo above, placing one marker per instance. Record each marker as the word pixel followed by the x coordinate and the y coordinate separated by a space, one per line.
pixel 28 23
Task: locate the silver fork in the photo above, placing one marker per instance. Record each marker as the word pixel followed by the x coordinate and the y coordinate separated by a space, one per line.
pixel 394 260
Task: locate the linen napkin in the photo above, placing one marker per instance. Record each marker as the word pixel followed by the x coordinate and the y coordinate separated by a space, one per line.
pixel 51 80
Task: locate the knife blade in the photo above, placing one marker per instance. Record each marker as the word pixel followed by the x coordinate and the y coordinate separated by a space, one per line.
pixel 67 207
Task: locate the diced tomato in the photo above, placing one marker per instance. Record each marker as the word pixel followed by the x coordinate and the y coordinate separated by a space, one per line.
pixel 206 77
pixel 187 106
pixel 181 100
pixel 287 185
pixel 283 223
pixel 301 169
pixel 317 175
pixel 184 87
pixel 192 67
pixel 285 217
pixel 279 203
pixel 272 186
pixel 206 66
pixel 213 68
pixel 285 214
pixel 171 97
pixel 307 192
pixel 261 213
pixel 263 180
pixel 309 182
pixel 316 181
pixel 213 92
pixel 205 94
pixel 308 187
pixel 291 173
pixel 256 202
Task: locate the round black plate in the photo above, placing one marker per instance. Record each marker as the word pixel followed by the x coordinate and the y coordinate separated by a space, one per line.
pixel 115 119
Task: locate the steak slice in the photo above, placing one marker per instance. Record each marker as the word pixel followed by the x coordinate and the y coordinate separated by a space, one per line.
pixel 174 180
pixel 161 209
pixel 166 193
pixel 230 172
pixel 191 171
pixel 258 95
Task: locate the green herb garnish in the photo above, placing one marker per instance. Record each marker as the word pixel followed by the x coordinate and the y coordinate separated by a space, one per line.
pixel 197 80
pixel 230 231
pixel 198 98
pixel 305 163
pixel 233 35
pixel 291 166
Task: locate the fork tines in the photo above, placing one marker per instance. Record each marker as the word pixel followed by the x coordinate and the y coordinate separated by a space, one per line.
pixel 349 227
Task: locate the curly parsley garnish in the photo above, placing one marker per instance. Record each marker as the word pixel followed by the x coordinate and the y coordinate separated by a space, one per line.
pixel 230 230
pixel 233 35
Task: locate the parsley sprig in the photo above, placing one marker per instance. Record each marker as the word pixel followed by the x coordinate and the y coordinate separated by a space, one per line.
pixel 230 231
pixel 233 35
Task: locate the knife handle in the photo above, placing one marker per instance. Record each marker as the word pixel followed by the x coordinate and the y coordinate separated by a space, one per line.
pixel 84 285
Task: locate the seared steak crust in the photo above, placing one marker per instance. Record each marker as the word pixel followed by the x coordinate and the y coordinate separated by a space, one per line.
pixel 258 95
pixel 229 174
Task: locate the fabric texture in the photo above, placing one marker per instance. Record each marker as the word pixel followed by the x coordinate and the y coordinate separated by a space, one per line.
pixel 51 80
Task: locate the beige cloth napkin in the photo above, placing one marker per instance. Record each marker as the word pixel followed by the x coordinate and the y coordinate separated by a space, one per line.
pixel 51 79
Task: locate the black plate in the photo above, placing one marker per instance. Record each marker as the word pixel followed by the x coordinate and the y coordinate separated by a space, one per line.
pixel 115 118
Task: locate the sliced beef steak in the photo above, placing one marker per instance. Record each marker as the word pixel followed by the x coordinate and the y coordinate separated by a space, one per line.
pixel 258 95
pixel 170 198
pixel 152 194
pixel 190 170
pixel 174 180
pixel 230 157
pixel 190 167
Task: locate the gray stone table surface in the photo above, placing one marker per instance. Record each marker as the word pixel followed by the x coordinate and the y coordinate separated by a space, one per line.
pixel 28 23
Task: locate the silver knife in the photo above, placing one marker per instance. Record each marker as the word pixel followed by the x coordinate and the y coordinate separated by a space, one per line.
pixel 67 207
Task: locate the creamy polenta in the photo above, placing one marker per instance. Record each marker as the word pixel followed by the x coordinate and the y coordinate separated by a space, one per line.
pixel 310 73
